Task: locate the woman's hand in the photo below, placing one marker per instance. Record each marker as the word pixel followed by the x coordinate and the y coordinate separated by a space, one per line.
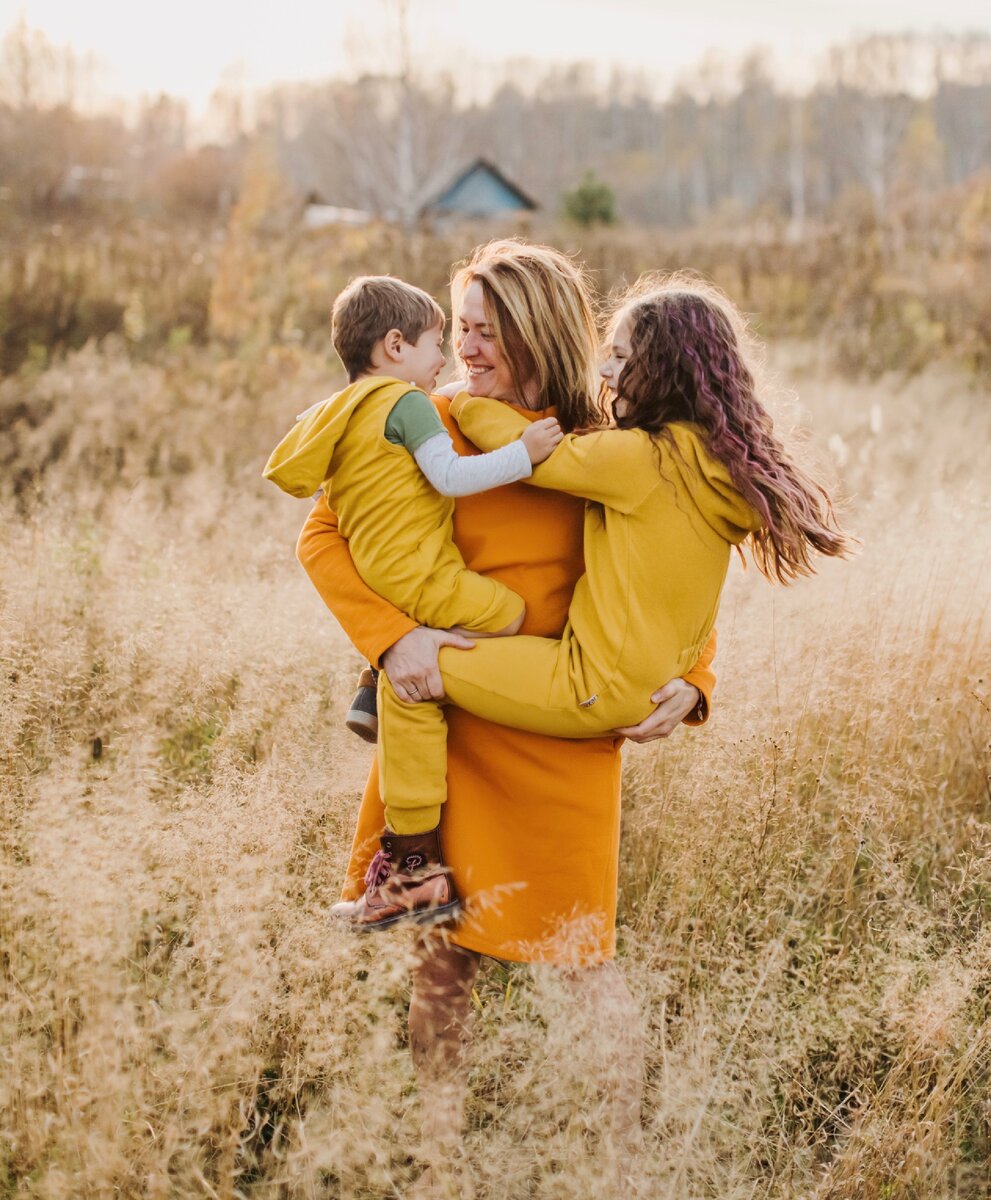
pixel 411 666
pixel 674 702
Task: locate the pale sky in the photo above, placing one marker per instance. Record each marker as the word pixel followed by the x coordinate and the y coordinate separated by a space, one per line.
pixel 185 47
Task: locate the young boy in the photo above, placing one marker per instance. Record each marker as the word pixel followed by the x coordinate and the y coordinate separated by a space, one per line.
pixel 380 451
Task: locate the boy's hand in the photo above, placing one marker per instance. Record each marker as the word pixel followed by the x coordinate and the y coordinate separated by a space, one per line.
pixel 540 439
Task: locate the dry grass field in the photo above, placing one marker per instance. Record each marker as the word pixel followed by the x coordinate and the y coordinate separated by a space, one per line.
pixel 805 882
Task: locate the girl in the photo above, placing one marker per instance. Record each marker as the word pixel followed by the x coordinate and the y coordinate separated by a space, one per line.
pixel 691 469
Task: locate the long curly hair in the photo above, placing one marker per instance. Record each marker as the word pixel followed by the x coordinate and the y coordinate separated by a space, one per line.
pixel 689 352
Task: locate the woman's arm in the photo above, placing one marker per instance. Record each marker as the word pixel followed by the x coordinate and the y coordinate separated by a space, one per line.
pixel 703 677
pixel 387 637
pixel 371 623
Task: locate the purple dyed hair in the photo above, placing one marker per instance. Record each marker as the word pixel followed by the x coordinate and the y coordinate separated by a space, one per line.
pixel 688 362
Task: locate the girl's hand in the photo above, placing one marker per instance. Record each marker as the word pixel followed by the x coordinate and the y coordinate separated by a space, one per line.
pixel 410 664
pixel 540 439
pixel 674 702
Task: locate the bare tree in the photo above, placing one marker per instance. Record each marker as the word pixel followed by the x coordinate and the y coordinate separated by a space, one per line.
pixel 28 69
pixel 873 78
pixel 796 166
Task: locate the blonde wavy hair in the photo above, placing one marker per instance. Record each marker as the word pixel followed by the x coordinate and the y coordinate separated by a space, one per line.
pixel 537 302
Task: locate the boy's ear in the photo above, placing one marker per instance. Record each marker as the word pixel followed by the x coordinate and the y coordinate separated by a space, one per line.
pixel 392 344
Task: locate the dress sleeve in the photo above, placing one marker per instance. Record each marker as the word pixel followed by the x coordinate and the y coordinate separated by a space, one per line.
pixel 606 465
pixel 704 678
pixel 371 623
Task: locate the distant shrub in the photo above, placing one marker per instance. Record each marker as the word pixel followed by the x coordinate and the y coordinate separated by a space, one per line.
pixel 592 202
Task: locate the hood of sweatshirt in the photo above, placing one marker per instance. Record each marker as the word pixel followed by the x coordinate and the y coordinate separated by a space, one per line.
pixel 300 463
pixel 708 482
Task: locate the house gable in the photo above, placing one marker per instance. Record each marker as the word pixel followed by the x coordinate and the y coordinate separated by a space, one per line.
pixel 480 191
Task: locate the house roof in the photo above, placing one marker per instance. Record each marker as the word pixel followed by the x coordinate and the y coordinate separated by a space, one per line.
pixel 446 200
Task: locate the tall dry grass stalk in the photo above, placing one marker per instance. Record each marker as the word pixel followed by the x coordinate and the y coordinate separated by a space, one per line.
pixel 805 883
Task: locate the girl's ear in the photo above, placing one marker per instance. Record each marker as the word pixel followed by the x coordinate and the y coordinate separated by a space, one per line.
pixel 392 344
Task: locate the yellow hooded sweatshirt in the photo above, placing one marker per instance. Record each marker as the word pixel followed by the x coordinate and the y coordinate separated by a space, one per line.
pixel 399 529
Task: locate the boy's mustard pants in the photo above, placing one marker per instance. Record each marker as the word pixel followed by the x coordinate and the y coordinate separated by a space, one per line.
pixel 537 684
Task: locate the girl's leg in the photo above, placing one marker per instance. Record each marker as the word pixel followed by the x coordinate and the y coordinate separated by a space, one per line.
pixel 537 684
pixel 443 976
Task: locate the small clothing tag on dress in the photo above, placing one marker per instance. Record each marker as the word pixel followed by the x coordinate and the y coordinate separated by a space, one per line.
pixel 589 702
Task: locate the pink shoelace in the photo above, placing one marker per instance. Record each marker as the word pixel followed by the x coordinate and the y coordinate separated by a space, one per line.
pixel 379 870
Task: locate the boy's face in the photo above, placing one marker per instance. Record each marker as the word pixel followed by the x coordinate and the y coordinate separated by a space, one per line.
pixel 421 362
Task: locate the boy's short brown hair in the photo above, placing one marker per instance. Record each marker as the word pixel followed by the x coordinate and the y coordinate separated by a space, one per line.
pixel 369 307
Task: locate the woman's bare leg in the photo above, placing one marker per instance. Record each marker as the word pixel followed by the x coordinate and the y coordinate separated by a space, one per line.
pixel 601 993
pixel 443 976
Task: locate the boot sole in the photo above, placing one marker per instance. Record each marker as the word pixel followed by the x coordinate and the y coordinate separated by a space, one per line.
pixel 364 725
pixel 427 916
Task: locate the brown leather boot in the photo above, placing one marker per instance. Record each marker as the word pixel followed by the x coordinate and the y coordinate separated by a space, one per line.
pixel 406 881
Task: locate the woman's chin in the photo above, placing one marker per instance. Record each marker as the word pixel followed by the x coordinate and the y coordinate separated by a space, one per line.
pixel 475 385
pixel 485 385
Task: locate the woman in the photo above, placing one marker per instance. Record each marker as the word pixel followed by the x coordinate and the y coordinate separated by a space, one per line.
pixel 531 825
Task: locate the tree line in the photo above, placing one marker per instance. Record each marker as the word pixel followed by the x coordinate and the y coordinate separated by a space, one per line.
pixel 886 116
